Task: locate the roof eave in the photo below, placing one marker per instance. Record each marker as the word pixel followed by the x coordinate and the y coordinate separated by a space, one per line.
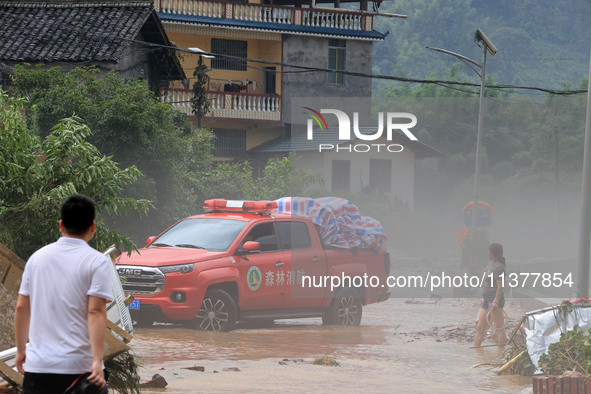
pixel 165 41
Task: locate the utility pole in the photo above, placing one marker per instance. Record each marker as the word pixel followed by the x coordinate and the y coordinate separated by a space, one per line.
pixel 585 237
pixel 556 166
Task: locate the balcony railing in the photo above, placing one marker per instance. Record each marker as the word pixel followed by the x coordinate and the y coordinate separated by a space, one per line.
pixel 317 17
pixel 231 105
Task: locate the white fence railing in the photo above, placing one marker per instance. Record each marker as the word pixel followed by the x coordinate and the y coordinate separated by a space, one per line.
pixel 336 19
pixel 229 104
pixel 262 13
pixel 213 9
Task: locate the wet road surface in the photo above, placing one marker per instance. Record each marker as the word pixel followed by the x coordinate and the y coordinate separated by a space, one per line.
pixel 378 356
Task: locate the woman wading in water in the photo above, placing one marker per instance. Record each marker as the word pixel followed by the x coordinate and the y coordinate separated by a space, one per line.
pixel 491 308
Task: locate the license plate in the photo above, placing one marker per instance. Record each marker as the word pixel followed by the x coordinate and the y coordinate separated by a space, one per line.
pixel 135 305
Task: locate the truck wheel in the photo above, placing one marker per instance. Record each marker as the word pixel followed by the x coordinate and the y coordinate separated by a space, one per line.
pixel 345 310
pixel 218 312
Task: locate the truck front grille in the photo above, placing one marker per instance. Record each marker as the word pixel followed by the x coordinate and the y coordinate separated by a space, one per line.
pixel 141 280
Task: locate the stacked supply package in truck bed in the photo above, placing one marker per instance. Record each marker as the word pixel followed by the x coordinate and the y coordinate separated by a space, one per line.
pixel 341 224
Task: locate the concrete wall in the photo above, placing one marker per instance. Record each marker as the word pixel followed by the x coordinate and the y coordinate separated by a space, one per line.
pixel 134 63
pixel 256 49
pixel 313 52
pixel 402 171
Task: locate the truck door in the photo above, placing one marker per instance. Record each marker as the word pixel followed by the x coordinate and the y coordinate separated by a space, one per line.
pixel 260 287
pixel 306 260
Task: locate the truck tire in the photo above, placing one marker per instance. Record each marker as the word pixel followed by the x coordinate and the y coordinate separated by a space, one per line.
pixel 345 310
pixel 218 312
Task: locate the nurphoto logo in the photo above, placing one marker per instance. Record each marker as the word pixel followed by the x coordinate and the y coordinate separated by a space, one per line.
pixel 344 127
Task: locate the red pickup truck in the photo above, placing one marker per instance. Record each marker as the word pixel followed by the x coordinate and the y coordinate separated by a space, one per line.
pixel 243 261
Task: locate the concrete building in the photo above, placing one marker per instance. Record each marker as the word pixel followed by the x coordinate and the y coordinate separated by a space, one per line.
pixel 355 165
pixel 251 93
pixel 257 88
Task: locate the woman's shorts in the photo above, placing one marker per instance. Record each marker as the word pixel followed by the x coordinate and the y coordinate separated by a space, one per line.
pixel 487 302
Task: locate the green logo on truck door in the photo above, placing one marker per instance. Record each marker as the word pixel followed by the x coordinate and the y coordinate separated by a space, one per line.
pixel 253 277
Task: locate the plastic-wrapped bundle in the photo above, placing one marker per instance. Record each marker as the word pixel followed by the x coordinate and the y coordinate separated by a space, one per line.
pixel 340 223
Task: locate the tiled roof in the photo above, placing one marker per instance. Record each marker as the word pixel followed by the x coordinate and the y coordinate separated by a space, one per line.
pixel 63 31
pixel 298 142
pixel 278 27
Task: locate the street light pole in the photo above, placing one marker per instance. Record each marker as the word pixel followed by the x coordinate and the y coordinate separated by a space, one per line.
pixel 487 46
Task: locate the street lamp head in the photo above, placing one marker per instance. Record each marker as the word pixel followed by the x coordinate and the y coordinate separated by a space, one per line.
pixel 201 52
pixel 479 37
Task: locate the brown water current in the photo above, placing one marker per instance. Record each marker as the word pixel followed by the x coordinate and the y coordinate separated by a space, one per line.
pixel 382 355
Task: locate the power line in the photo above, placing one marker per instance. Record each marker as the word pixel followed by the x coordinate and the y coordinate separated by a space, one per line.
pixel 367 75
pixel 442 83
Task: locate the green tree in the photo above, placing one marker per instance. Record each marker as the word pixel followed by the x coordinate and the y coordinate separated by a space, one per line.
pixel 524 32
pixel 37 175
pixel 199 99
pixel 280 179
pixel 132 125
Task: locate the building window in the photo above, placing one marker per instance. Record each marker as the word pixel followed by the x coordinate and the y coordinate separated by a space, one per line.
pixel 336 61
pixel 229 143
pixel 231 48
pixel 380 174
pixel 341 175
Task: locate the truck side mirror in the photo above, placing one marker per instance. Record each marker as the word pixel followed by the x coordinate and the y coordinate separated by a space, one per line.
pixel 249 246
pixel 150 240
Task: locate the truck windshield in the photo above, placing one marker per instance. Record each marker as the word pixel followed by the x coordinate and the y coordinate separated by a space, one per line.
pixel 212 234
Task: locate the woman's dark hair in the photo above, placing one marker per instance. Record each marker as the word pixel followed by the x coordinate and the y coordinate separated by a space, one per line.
pixel 497 252
pixel 77 214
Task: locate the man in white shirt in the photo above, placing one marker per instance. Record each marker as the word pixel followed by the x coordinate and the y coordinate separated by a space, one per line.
pixel 61 307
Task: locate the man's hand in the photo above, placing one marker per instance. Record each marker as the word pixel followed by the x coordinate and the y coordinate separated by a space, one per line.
pixel 20 359
pixel 97 376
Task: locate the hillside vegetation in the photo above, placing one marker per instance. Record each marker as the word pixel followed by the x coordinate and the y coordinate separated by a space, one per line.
pixel 541 43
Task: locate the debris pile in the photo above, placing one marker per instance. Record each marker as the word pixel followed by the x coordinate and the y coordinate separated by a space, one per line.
pixel 459 333
pixel 157 382
pixel 326 361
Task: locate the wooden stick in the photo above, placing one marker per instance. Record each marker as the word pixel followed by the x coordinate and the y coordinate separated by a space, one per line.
pixel 10 374
pixel 478 347
pixel 516 329
pixel 510 363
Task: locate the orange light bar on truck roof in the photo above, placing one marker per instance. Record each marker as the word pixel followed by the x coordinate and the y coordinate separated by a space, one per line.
pixel 258 207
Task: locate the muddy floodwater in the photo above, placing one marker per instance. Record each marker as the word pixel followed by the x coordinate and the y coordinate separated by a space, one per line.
pixel 385 354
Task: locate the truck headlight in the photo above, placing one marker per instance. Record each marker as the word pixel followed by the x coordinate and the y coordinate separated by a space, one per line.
pixel 182 268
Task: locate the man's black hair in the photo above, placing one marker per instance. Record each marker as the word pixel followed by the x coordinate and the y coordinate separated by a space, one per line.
pixel 77 214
